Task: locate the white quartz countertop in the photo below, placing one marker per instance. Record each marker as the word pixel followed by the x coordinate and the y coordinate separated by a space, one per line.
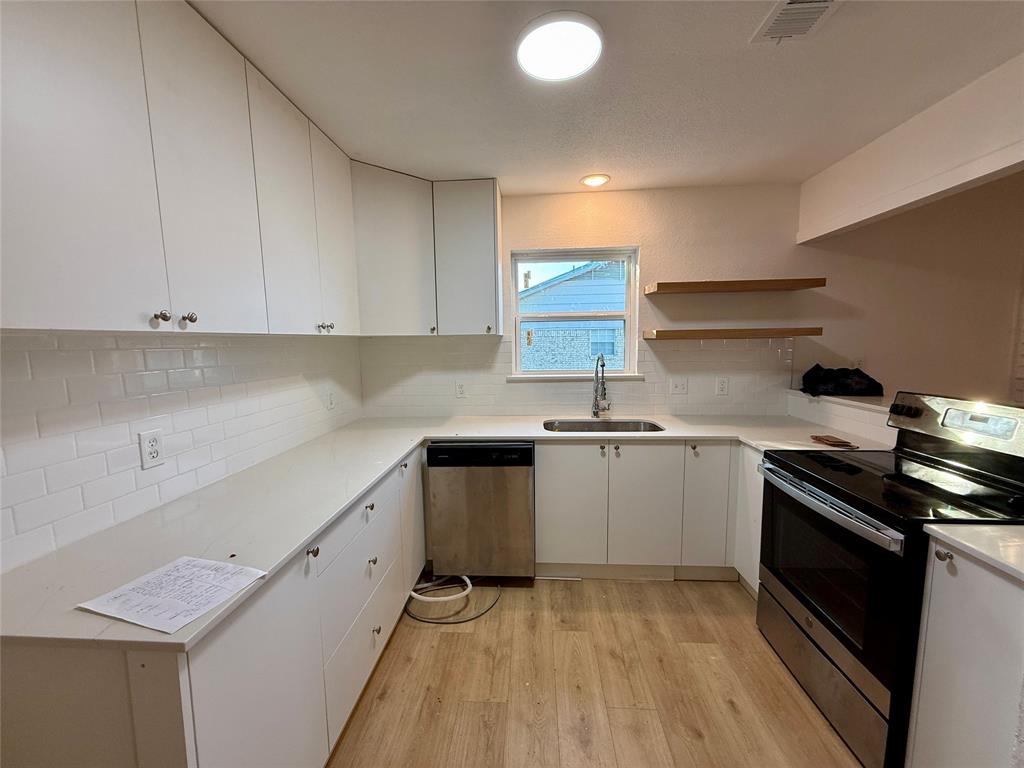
pixel 268 513
pixel 1001 546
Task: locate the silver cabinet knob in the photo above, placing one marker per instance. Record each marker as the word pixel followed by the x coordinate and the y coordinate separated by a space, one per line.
pixel 405 465
pixel 943 555
pixel 376 630
pixel 693 447
pixel 488 329
pixel 433 329
pixel 617 449
pixel 369 506
pixel 603 448
pixel 163 314
pixel 321 326
pixel 330 326
pixel 191 317
pixel 372 560
pixel 314 551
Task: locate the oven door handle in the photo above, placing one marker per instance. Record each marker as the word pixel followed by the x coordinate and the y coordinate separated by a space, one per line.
pixel 886 538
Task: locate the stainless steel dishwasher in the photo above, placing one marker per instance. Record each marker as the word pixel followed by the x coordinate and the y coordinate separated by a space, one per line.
pixel 480 514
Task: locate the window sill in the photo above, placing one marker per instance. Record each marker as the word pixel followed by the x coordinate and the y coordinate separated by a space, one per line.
pixel 523 378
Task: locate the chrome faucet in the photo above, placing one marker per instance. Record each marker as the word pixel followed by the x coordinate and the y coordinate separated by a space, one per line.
pixel 601 404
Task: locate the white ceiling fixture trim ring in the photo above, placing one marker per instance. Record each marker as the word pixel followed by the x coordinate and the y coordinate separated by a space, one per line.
pixel 559 46
pixel 595 179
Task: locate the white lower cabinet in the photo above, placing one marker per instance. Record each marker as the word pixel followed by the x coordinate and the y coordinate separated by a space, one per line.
pixel 571 481
pixel 414 548
pixel 970 665
pixel 645 503
pixel 257 680
pixel 706 503
pixel 749 487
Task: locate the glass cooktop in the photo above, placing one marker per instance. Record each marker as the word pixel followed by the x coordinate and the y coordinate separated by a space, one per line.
pixel 902 487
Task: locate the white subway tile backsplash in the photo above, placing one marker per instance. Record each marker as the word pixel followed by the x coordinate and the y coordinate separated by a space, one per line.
pixel 168 402
pixel 102 439
pixel 33 454
pixel 119 411
pixel 193 459
pixel 18 550
pixel 96 388
pixel 208 434
pixel 186 378
pixel 72 418
pixel 50 363
pixel 177 486
pixel 185 420
pixel 6 523
pixel 82 524
pixel 54 506
pixel 145 383
pixel 118 361
pixel 24 396
pixel 200 358
pixel 211 472
pixel 134 504
pixel 24 486
pixel 76 472
pixel 129 457
pixel 16 426
pixel 108 488
pixel 163 359
pixel 13 365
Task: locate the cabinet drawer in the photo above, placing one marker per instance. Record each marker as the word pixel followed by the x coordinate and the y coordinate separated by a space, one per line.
pixel 350 666
pixel 345 587
pixel 359 514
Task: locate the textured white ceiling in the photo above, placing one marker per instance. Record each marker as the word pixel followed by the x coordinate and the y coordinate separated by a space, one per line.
pixel 679 98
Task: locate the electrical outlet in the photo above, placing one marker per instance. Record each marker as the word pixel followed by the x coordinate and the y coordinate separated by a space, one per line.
pixel 460 389
pixel 722 385
pixel 151 445
pixel 680 385
pixel 330 399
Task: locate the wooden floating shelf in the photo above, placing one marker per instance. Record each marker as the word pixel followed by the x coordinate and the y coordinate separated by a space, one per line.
pixel 736 286
pixel 730 333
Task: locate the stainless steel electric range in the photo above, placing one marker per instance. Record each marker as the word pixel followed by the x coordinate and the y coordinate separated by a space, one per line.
pixel 843 554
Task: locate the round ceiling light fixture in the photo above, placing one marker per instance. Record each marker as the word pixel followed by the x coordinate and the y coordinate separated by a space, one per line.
pixel 596 179
pixel 559 45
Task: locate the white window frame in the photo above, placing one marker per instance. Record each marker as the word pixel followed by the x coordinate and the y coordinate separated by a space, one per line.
pixel 627 254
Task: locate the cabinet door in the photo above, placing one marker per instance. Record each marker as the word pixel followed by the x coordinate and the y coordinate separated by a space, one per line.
pixel 706 503
pixel 81 227
pixel 967 702
pixel 414 554
pixel 395 248
pixel 284 191
pixel 257 679
pixel 467 256
pixel 572 502
pixel 202 148
pixel 335 234
pixel 645 503
pixel 749 493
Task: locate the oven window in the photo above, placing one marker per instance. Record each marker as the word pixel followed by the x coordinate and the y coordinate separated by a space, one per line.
pixel 826 567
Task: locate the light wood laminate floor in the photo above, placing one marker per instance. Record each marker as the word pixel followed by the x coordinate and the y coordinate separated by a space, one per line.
pixel 582 674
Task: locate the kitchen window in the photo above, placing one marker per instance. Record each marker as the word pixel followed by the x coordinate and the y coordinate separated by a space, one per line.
pixel 570 306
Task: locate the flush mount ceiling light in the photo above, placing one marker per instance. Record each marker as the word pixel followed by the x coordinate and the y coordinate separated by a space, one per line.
pixel 596 179
pixel 559 46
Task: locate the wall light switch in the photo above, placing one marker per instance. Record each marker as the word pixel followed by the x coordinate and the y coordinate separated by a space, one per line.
pixel 721 385
pixel 460 389
pixel 680 385
pixel 151 445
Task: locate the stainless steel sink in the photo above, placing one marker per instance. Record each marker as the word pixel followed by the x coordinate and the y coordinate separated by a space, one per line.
pixel 601 425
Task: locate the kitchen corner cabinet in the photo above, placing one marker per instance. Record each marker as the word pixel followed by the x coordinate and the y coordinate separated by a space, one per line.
pixel 202 149
pixel 572 502
pixel 746 510
pixel 284 192
pixel 467 256
pixel 645 503
pixel 970 665
pixel 394 226
pixel 706 503
pixel 414 548
pixel 81 235
pixel 257 680
pixel 335 233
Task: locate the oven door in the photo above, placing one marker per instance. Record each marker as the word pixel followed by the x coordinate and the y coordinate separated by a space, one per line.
pixel 843 569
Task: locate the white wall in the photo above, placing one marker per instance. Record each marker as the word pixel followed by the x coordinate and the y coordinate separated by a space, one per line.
pixel 72 404
pixel 974 134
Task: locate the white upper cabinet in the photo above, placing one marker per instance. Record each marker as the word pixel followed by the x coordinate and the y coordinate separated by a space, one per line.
pixel 335 232
pixel 204 168
pixel 284 191
pixel 395 246
pixel 706 503
pixel 81 227
pixel 645 503
pixel 467 256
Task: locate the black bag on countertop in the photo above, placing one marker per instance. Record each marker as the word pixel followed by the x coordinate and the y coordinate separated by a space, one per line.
pixel 848 382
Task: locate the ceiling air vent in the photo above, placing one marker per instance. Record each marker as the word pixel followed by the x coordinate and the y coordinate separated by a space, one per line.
pixel 794 19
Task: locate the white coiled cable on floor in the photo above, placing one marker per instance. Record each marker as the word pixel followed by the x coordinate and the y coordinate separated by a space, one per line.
pixel 419 593
pixel 446 598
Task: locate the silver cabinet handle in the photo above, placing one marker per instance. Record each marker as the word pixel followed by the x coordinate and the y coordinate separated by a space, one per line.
pixel 163 314
pixel 943 555
pixel 376 630
pixel 191 317
pixel 372 560
pixel 314 551
pixel 369 506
